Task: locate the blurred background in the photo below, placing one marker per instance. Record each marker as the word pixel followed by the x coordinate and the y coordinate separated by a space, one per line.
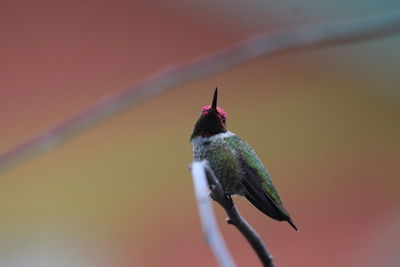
pixel 325 122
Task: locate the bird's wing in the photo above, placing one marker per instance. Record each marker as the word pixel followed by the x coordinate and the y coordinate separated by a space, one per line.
pixel 260 190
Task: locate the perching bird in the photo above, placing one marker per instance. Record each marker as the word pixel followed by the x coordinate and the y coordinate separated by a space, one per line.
pixel 234 163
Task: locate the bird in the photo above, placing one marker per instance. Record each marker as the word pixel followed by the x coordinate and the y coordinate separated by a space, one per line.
pixel 234 163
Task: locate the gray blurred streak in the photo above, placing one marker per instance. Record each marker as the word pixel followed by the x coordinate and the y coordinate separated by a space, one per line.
pixel 267 43
pixel 265 15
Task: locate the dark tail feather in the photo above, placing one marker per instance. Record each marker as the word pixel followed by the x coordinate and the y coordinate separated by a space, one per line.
pixel 255 193
pixel 292 224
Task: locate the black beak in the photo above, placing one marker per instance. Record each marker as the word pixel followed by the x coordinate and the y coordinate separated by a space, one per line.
pixel 214 102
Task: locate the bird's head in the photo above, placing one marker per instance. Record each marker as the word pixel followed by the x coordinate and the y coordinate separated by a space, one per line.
pixel 212 120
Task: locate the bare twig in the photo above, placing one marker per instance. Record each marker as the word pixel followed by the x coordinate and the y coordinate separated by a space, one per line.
pixel 200 171
pixel 237 220
pixel 345 31
pixel 209 223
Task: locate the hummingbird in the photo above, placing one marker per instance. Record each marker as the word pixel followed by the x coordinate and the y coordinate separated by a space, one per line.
pixel 234 163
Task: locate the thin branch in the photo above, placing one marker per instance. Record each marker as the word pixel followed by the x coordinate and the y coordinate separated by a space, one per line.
pixel 209 223
pixel 237 220
pixel 205 180
pixel 323 34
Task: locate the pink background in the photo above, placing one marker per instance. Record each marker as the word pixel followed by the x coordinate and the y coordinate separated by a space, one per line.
pixel 324 122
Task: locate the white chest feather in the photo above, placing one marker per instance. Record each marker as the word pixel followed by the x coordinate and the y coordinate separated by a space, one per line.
pixel 201 144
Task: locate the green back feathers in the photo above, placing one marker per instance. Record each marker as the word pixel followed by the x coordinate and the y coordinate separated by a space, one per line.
pixel 252 160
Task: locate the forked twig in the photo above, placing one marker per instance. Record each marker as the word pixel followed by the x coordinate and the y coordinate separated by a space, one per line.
pixel 202 172
pixel 322 34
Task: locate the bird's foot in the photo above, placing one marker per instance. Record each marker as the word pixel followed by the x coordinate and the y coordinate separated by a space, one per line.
pixel 212 196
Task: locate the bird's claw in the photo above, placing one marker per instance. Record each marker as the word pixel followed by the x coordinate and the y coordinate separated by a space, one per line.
pixel 212 196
